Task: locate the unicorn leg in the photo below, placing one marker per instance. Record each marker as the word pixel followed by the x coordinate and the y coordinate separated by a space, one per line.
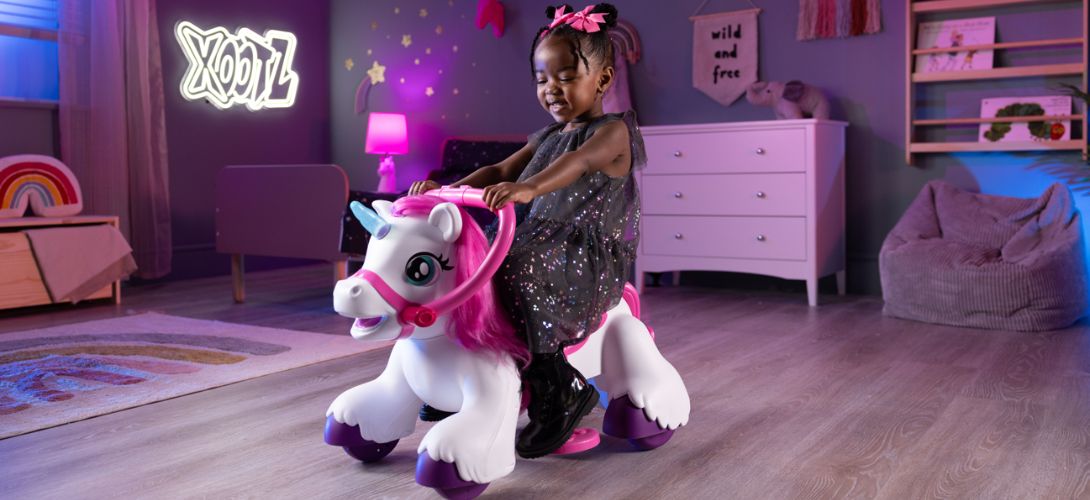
pixel 632 366
pixel 478 440
pixel 379 413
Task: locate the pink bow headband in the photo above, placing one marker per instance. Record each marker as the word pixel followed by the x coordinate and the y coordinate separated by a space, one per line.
pixel 582 20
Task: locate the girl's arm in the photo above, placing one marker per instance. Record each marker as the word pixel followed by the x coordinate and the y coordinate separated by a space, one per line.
pixel 507 170
pixel 606 151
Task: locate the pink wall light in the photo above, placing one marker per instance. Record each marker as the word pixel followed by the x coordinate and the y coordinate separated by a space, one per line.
pixel 387 135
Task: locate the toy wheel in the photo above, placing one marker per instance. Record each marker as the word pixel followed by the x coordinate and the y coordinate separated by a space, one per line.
pixel 443 478
pixel 370 452
pixel 651 442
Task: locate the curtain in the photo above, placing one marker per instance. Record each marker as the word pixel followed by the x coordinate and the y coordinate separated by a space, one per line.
pixel 112 124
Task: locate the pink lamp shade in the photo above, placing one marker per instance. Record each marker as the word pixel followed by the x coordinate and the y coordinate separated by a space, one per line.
pixel 386 134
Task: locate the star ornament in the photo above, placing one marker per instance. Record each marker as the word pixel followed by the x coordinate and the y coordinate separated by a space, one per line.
pixel 406 40
pixel 377 73
pixel 349 63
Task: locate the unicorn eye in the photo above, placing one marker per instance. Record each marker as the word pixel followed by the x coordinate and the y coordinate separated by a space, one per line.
pixel 423 269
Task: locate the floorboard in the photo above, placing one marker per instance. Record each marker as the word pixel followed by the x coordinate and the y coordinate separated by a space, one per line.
pixel 788 402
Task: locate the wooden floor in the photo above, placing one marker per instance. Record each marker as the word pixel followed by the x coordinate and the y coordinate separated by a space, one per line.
pixel 788 402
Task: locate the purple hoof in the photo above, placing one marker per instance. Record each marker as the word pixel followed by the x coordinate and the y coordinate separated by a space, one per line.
pixel 625 421
pixel 348 437
pixel 443 477
pixel 651 442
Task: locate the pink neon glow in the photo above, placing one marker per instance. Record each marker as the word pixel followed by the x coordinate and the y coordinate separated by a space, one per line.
pixel 387 134
pixel 479 323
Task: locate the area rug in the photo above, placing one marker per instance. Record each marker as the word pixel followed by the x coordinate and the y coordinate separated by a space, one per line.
pixel 57 375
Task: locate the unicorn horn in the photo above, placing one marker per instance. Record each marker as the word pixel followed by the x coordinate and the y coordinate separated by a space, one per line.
pixel 370 219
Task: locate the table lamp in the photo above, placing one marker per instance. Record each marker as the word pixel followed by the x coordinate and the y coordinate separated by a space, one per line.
pixel 386 135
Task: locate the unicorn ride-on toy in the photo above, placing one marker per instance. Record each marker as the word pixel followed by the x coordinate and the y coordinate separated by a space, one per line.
pixel 426 282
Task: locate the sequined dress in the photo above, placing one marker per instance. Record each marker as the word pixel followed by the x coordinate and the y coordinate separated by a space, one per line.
pixel 573 248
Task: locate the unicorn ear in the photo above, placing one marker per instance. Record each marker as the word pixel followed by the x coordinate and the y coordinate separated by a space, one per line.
pixel 383 208
pixel 448 219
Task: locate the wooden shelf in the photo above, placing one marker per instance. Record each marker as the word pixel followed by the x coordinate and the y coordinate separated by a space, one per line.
pixel 34 221
pixel 971 147
pixel 952 5
pixel 988 74
pixel 1054 42
pixel 915 9
pixel 1006 119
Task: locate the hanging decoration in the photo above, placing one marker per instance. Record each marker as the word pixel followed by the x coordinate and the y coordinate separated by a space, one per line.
pixel 838 18
pixel 490 11
pixel 377 74
pixel 725 52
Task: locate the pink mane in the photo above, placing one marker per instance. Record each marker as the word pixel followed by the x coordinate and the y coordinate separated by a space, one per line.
pixel 480 323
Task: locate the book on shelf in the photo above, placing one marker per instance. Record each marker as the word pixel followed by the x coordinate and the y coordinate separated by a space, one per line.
pixel 1028 131
pixel 953 34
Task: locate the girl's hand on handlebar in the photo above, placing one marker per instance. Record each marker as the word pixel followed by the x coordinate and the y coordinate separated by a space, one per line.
pixel 420 187
pixel 498 195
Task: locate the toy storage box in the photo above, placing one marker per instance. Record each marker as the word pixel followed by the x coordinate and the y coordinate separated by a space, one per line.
pixel 20 280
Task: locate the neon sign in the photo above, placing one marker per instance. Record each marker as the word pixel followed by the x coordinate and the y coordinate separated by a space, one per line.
pixel 241 68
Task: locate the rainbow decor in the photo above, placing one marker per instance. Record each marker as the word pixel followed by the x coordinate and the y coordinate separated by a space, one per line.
pixel 42 181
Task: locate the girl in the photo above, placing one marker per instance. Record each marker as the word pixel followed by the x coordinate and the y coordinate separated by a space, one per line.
pixel 577 210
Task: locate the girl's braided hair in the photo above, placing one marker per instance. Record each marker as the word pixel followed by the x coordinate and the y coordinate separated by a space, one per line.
pixel 597 45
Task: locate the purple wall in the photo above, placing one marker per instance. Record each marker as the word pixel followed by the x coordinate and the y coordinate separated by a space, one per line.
pixel 202 139
pixel 864 77
pixel 28 128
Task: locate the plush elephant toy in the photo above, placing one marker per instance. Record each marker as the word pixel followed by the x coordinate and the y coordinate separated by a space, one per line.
pixel 789 100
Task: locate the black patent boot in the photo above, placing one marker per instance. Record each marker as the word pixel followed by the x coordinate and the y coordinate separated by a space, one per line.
pixel 559 398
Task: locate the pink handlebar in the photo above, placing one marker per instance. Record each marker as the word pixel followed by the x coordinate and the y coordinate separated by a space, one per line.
pixel 470 197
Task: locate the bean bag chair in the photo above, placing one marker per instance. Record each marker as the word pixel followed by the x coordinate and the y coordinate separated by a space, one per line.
pixel 969 259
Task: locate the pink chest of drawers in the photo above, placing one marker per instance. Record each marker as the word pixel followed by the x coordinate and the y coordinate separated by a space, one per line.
pixel 756 197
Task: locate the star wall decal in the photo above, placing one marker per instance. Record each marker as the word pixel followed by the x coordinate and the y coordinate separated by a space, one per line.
pixel 439 29
pixel 429 91
pixel 427 51
pixel 397 10
pixel 416 61
pixel 374 25
pixel 349 63
pixel 423 12
pixel 454 48
pixel 402 80
pixel 455 91
pixel 368 51
pixel 377 73
pixel 406 40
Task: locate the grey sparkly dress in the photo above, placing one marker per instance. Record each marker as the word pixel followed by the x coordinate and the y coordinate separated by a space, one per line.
pixel 573 247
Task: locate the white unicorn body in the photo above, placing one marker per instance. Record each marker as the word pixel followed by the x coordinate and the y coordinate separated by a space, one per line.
pixel 481 385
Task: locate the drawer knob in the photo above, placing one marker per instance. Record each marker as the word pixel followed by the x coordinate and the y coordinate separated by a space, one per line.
pixel 677 154
pixel 760 237
pixel 760 151
pixel 760 194
pixel 677 236
pixel 677 194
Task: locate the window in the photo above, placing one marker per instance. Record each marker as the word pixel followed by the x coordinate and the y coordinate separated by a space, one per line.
pixel 28 50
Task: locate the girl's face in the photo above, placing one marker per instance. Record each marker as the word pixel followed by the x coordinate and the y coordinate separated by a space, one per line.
pixel 565 88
